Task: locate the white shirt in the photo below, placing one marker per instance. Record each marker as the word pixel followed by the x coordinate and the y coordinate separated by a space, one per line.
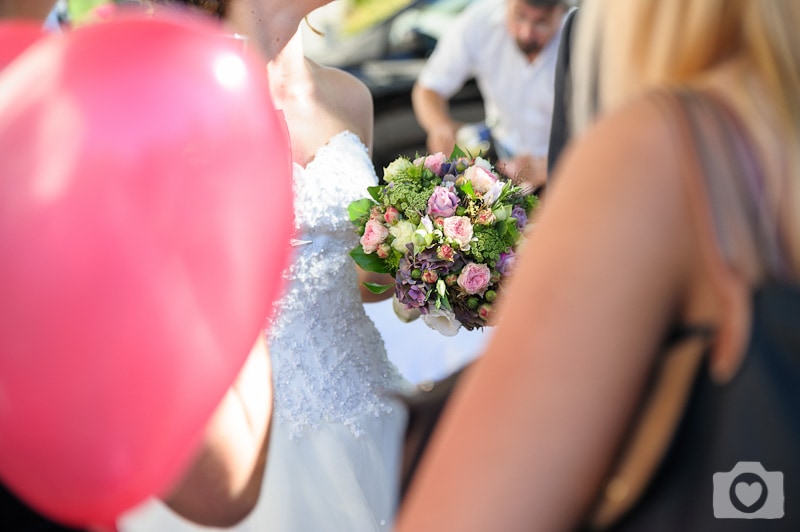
pixel 517 94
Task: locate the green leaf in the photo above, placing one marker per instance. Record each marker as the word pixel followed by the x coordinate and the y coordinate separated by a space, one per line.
pixel 457 152
pixel 376 288
pixel 375 192
pixel 466 188
pixel 369 262
pixel 360 208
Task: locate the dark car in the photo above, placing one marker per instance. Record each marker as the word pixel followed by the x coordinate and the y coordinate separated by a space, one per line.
pixel 388 56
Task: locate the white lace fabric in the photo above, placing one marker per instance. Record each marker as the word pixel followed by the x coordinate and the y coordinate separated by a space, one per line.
pixel 329 361
pixel 335 451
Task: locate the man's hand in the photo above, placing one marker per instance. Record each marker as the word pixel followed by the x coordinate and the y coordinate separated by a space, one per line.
pixel 442 137
pixel 525 170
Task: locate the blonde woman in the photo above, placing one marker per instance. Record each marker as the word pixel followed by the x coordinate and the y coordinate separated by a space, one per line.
pixel 640 235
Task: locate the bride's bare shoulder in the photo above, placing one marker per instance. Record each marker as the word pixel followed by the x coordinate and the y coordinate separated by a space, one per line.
pixel 348 97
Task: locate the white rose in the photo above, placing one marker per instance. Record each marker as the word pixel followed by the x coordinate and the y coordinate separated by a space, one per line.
pixel 403 233
pixel 396 167
pixel 493 193
pixel 483 163
pixel 442 320
pixel 482 179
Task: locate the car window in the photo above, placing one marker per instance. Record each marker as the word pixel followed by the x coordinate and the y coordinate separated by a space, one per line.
pixel 356 31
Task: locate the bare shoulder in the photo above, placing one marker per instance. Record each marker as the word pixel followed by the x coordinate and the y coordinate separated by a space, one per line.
pixel 349 99
pixel 635 148
pixel 623 181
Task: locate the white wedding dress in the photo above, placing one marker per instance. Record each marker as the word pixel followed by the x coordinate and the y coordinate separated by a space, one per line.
pixel 336 442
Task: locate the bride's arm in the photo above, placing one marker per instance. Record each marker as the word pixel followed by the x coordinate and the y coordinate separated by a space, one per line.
pixel 378 278
pixel 222 485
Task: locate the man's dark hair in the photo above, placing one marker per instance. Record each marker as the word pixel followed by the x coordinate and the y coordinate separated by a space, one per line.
pixel 545 4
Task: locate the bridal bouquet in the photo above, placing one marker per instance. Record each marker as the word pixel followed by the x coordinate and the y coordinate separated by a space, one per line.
pixel 447 229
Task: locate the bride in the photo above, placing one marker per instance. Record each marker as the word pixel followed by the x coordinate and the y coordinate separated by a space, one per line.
pixel 335 444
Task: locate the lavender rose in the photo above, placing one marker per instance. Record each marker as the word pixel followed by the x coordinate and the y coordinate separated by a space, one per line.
pixel 521 216
pixel 505 262
pixel 442 203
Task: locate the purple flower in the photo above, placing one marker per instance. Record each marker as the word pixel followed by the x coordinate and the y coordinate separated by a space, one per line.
pixel 411 295
pixel 505 262
pixel 442 203
pixel 521 216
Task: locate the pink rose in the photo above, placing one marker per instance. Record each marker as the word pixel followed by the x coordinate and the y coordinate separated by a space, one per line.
pixel 459 229
pixel 430 276
pixel 445 252
pixel 434 162
pixel 442 203
pixel 482 179
pixel 383 251
pixel 486 312
pixel 474 278
pixel 374 235
pixel 392 215
pixel 485 217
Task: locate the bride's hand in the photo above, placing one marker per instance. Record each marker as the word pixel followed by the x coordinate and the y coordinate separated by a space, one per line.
pixel 377 278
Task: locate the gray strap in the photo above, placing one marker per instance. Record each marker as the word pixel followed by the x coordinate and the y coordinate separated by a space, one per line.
pixel 724 147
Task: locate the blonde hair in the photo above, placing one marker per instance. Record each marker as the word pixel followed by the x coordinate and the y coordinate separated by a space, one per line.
pixel 626 47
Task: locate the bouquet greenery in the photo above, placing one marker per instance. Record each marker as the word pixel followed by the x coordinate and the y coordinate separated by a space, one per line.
pixel 448 229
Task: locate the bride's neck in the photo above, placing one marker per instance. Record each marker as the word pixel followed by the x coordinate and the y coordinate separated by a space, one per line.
pixel 290 77
pixel 271 30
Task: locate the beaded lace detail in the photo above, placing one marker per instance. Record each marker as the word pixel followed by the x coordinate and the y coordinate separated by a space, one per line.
pixel 329 361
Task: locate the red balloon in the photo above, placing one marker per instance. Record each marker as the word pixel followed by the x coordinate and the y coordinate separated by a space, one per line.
pixel 15 37
pixel 145 216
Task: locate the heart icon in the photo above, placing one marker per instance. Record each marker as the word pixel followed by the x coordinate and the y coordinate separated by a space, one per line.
pixel 748 494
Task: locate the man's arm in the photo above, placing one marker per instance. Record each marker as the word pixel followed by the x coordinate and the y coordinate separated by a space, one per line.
pixel 432 111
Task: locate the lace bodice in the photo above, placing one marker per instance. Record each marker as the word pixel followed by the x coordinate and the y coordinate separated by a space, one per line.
pixel 329 361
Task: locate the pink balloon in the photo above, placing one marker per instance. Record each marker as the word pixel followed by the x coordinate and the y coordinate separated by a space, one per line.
pixel 145 216
pixel 15 37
